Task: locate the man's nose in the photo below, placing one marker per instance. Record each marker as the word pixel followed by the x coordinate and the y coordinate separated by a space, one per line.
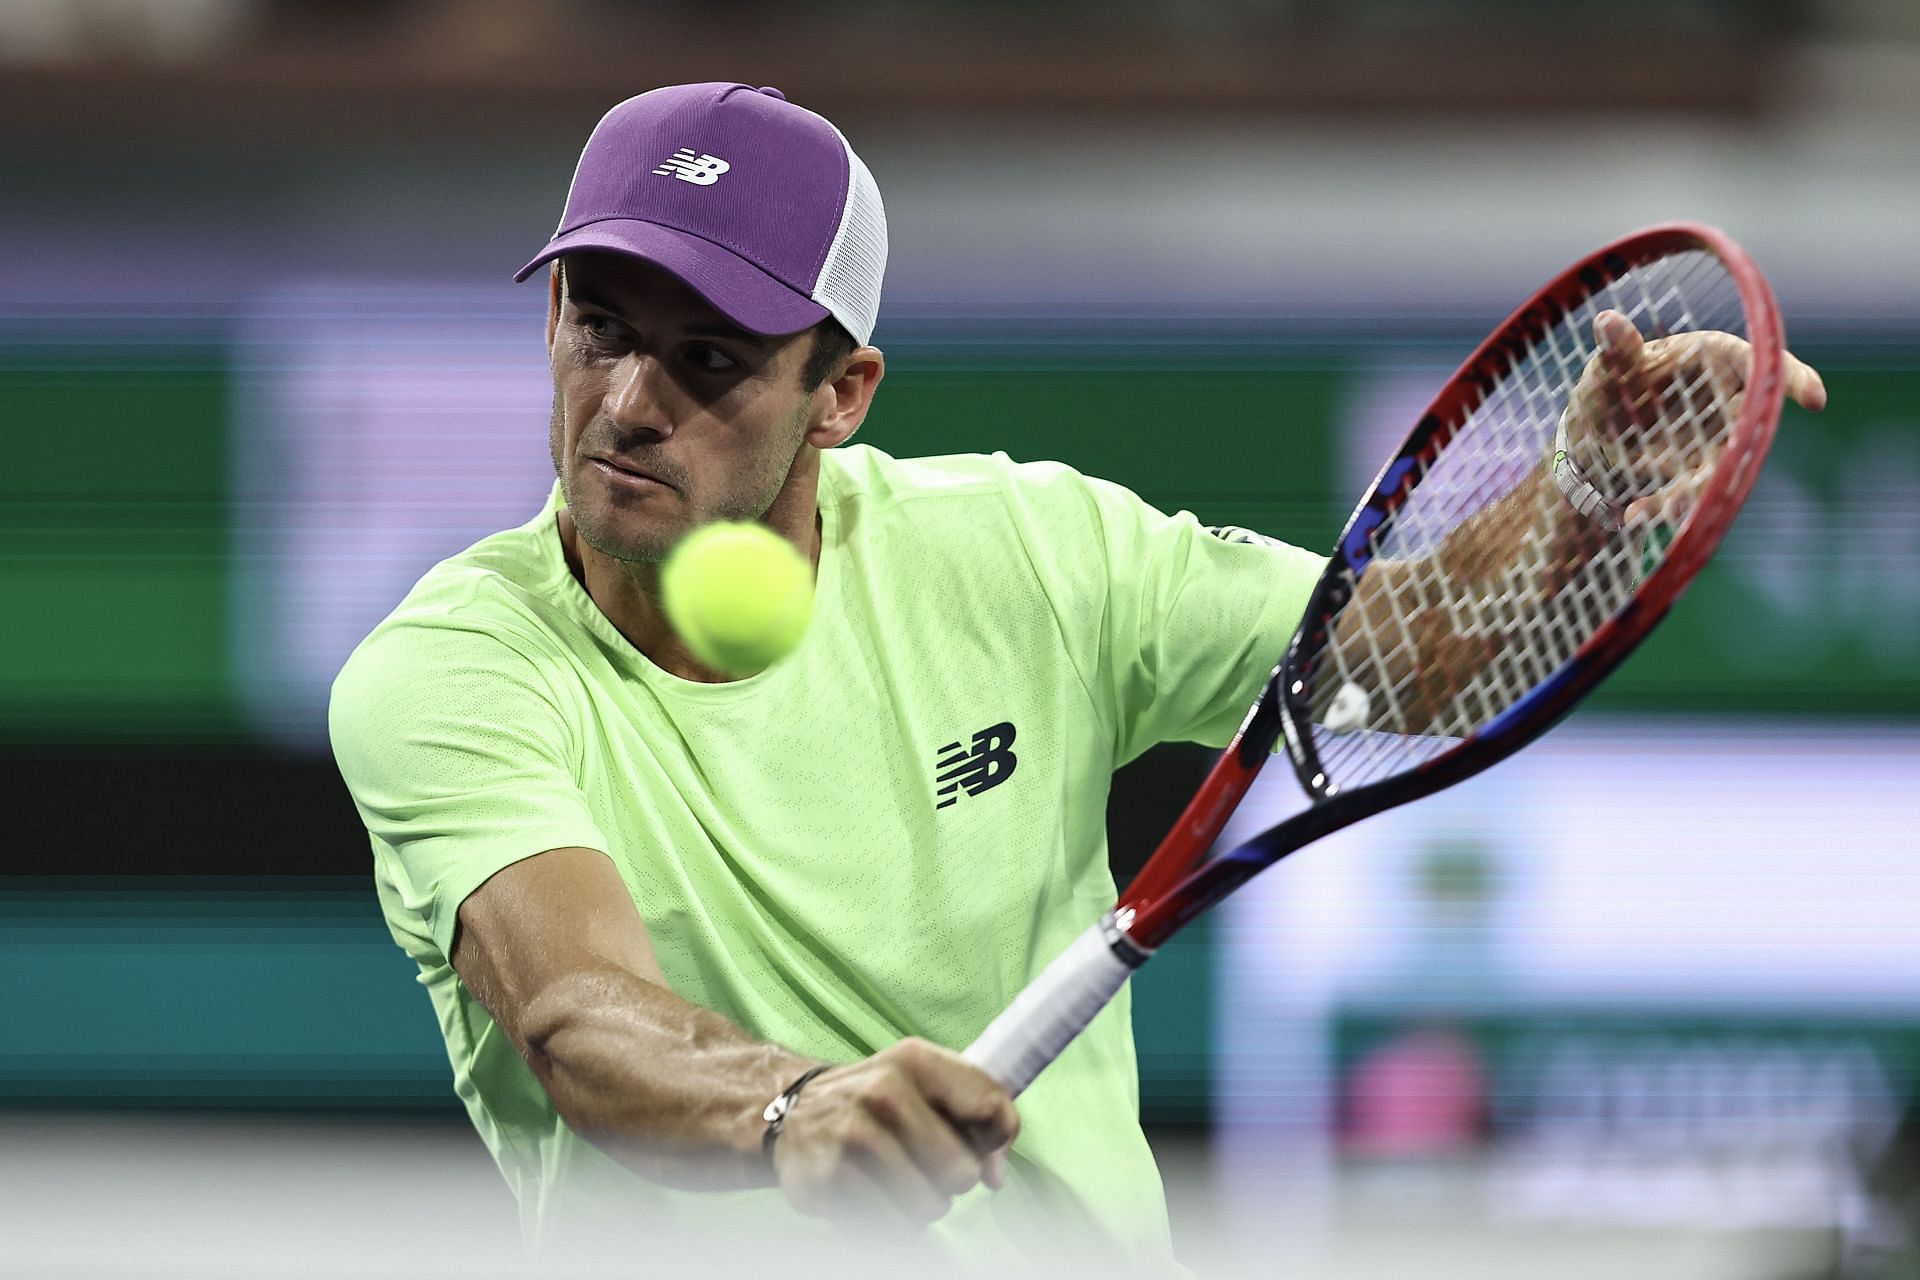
pixel 642 395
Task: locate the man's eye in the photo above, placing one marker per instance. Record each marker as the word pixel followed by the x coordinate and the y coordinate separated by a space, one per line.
pixel 710 359
pixel 602 328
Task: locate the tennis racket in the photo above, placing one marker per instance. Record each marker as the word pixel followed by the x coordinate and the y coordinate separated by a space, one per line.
pixel 1559 494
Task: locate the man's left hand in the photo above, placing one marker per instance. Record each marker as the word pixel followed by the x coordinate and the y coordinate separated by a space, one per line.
pixel 1623 417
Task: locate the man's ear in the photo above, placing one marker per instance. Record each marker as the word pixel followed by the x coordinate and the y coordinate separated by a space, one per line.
pixel 848 397
pixel 553 302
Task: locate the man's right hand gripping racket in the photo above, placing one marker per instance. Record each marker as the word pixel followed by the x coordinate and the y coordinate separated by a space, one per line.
pixel 1553 502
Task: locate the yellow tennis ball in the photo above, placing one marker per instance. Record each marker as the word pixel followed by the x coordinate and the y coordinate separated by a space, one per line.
pixel 738 595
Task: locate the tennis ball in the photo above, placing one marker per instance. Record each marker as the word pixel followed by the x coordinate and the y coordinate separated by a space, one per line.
pixel 738 595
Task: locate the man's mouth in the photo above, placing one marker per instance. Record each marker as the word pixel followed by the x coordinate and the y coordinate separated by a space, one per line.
pixel 625 473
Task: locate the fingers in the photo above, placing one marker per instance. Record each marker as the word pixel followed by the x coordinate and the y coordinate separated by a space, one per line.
pixel 942 1152
pixel 848 1162
pixel 1621 348
pixel 968 1097
pixel 1618 339
pixel 901 1177
pixel 996 1174
pixel 1622 384
pixel 1671 503
pixel 907 1130
pixel 1804 386
pixel 870 1181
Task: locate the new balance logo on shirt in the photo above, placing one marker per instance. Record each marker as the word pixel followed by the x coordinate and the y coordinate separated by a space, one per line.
pixel 987 763
pixel 1234 533
pixel 702 170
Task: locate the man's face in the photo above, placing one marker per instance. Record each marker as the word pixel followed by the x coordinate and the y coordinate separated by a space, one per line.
pixel 666 414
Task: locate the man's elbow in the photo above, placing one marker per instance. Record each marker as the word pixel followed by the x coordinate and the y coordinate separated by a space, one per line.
pixel 572 1044
pixel 559 1021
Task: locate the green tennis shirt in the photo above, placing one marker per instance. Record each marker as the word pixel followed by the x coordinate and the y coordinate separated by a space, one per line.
pixel 884 834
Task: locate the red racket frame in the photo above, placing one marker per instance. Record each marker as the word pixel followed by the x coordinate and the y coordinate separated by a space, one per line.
pixel 1169 891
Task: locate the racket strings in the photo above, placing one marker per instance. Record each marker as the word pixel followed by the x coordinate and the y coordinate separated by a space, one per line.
pixel 1448 630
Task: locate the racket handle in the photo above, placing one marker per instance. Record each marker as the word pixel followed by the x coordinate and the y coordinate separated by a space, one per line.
pixel 1056 1006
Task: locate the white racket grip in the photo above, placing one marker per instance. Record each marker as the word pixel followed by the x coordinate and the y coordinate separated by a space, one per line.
pixel 1055 1007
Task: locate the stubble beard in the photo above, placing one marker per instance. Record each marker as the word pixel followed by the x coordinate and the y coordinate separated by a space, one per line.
pixel 749 503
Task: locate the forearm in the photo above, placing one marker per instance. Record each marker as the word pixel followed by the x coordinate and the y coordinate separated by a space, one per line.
pixel 555 950
pixel 1531 530
pixel 1436 621
pixel 668 1088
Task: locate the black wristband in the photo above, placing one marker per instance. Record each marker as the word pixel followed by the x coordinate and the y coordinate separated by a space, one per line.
pixel 776 1113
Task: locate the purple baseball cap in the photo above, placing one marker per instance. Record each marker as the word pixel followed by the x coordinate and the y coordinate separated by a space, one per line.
pixel 758 205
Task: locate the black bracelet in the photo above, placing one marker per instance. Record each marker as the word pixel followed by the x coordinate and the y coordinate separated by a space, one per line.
pixel 776 1113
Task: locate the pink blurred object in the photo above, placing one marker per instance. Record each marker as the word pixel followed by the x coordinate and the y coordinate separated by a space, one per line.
pixel 1420 1093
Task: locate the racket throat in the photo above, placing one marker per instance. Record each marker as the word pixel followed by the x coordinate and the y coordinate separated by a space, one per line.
pixel 1207 813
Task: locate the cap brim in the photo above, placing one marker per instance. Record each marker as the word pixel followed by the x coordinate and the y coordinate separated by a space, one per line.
pixel 738 290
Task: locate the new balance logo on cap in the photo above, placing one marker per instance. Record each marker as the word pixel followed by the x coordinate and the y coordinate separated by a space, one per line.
pixel 987 763
pixel 702 170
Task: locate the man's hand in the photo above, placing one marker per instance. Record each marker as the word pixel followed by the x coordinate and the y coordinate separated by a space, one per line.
pixel 1626 422
pixel 898 1134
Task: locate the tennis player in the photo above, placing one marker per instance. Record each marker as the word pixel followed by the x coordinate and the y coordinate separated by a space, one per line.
pixel 695 943
pixel 648 901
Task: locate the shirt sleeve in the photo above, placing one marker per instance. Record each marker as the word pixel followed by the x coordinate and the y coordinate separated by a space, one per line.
pixel 458 757
pixel 1175 626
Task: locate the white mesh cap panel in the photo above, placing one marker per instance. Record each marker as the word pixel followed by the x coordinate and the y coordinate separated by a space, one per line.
pixel 849 284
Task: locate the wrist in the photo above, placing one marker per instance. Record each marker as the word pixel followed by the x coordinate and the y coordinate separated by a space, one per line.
pixel 1578 488
pixel 776 1112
